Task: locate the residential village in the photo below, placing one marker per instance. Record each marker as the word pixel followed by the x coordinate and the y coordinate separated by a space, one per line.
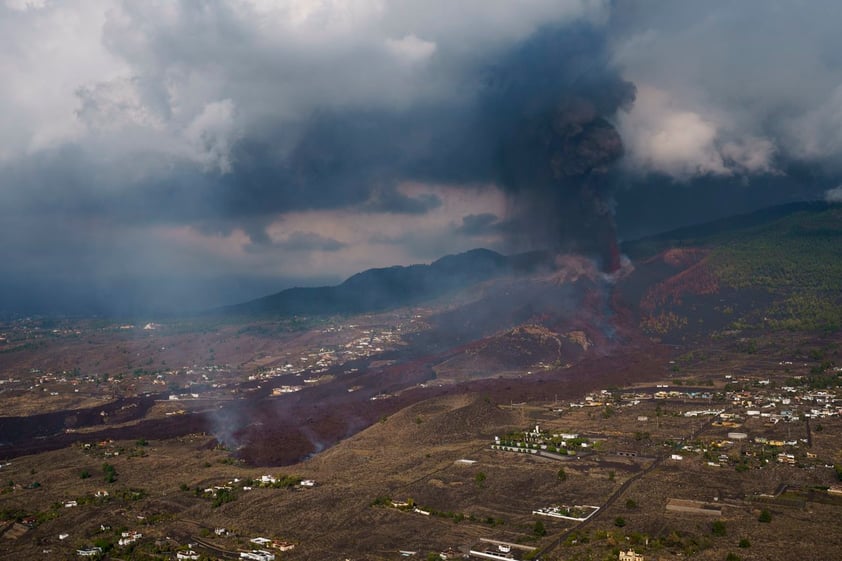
pixel 737 424
pixel 150 362
pixel 578 475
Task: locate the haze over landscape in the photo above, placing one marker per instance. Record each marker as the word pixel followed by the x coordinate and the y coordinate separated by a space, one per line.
pixel 181 156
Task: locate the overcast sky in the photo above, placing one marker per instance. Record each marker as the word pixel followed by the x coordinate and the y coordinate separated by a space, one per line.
pixel 188 154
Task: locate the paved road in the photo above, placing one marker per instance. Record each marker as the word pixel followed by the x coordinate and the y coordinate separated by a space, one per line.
pixel 225 554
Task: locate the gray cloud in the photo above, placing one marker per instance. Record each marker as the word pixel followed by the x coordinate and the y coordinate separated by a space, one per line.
pixel 479 224
pixel 308 241
pixel 147 138
pixel 730 88
pixel 834 195
pixel 390 200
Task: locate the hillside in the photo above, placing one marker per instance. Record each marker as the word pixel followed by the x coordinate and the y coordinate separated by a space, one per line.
pixel 391 287
pixel 180 422
pixel 720 231
pixel 780 269
pixel 777 267
pixel 466 319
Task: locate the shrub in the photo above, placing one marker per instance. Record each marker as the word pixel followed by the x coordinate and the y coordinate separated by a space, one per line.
pixel 765 516
pixel 109 472
pixel 619 522
pixel 223 496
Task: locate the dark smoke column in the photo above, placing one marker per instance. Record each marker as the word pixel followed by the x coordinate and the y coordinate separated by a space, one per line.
pixel 584 148
pixel 555 165
pixel 545 115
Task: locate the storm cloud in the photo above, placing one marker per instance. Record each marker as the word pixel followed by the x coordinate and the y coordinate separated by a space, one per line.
pixel 150 144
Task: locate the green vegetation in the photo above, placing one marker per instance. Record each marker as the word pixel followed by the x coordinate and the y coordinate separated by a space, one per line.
pixel 85 474
pixel 480 478
pixel 782 271
pixel 686 543
pixel 105 544
pixel 223 496
pixel 382 500
pixel 562 475
pixel 109 473
pixel 765 516
pixel 539 529
pixel 619 522
pixel 457 517
pixel 129 495
pixel 797 261
pixel 718 528
pixel 282 482
pixel 744 543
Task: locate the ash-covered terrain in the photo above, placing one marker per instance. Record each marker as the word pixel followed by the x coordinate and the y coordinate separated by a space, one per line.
pixel 686 404
pixel 284 385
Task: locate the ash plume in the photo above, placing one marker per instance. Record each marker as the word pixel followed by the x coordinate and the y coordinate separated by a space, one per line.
pixel 536 123
pixel 557 145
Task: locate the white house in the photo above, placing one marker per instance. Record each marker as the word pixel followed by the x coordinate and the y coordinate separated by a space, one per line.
pixel 258 555
pixel 629 555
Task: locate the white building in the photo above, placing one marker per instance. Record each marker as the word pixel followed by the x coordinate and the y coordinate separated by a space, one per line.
pixel 629 555
pixel 258 555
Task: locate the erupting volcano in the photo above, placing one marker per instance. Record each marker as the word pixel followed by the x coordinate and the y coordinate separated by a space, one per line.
pixel 556 166
pixel 556 149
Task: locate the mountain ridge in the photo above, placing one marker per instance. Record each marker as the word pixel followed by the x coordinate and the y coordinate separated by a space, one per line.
pixel 388 287
pixel 378 289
